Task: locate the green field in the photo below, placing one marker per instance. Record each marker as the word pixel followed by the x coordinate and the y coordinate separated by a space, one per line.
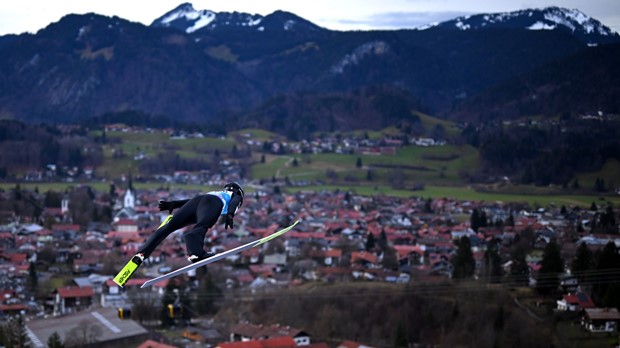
pixel 440 170
pixel 439 165
pixel 467 193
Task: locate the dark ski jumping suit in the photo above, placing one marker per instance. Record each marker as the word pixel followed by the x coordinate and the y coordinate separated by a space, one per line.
pixel 203 211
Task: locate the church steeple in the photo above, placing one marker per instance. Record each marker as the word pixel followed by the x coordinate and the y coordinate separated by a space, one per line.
pixel 129 201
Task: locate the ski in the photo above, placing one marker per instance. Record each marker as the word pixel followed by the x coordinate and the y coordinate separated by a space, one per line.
pixel 218 256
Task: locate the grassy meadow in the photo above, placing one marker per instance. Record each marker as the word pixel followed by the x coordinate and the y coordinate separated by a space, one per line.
pixel 427 172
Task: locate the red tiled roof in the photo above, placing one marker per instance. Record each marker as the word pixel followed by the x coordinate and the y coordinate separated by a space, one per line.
pixel 13 307
pixel 278 342
pixel 16 258
pixel 65 227
pixel 406 250
pixel 74 291
pixel 351 344
pixel 581 299
pixel 127 222
pixel 318 345
pixel 246 344
pixel 153 344
pixel 363 255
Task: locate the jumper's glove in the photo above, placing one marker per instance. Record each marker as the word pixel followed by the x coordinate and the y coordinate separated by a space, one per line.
pixel 229 221
pixel 166 205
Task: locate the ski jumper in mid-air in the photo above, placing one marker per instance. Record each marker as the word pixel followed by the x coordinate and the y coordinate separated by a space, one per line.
pixel 204 211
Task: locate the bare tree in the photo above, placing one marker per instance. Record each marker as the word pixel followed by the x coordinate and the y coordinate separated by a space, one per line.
pixel 83 334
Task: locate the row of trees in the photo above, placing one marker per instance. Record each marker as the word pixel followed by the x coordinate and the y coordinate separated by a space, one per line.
pixel 597 272
pixel 547 154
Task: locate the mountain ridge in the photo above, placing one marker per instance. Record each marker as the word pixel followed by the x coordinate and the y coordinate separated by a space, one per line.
pixel 88 65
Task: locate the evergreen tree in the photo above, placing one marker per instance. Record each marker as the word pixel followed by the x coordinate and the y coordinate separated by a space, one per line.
pixel 390 259
pixel 370 242
pixel 511 220
pixel 13 333
pixel 401 337
pixel 608 260
pixel 33 277
pixel 474 219
pixel 498 323
pixel 54 341
pixel 383 241
pixel 551 267
pixel 582 263
pixel 483 219
pixel 428 206
pixel 492 263
pixel 519 270
pixel 463 264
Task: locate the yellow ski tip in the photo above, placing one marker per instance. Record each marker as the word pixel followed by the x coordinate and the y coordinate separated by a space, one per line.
pixel 122 276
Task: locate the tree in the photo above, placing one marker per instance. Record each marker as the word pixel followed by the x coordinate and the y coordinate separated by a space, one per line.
pixel 492 263
pixel 475 220
pixel 383 241
pixel 209 293
pixel 608 260
pixel 612 296
pixel 390 259
pixel 33 277
pixel 401 337
pixel 463 264
pixel 84 334
pixel 13 333
pixel 551 266
pixel 370 242
pixel 583 262
pixel 593 206
pixel 143 305
pixel 519 270
pixel 358 162
pixel 169 298
pixel 54 341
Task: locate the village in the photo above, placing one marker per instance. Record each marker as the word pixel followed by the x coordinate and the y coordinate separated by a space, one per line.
pixel 342 237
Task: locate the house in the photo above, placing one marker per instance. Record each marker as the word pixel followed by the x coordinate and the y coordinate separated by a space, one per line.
pixel 153 344
pixel 601 319
pixel 13 309
pixel 575 302
pixel 202 335
pixel 278 342
pixel 351 344
pixel 248 332
pixel 72 298
pixel 364 258
pixel 569 283
pixel 110 330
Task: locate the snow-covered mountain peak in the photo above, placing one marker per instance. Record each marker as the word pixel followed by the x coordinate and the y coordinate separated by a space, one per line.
pixel 184 17
pixel 578 23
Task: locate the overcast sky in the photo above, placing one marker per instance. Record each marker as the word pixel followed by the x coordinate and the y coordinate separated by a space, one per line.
pixel 31 15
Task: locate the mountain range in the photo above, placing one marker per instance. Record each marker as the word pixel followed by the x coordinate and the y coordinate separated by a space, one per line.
pixel 205 67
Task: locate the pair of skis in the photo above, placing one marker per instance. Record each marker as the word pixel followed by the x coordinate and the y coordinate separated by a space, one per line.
pixel 131 266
